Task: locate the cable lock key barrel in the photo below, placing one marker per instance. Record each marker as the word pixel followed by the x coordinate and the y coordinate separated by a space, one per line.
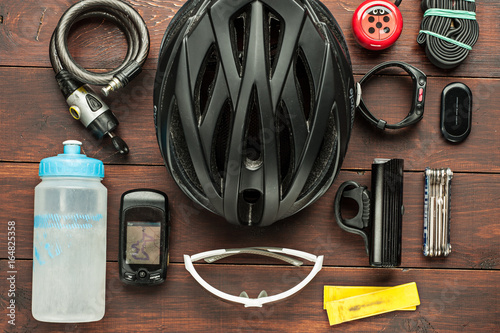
pixel 85 104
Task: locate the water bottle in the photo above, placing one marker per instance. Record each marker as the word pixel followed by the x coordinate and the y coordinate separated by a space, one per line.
pixel 69 240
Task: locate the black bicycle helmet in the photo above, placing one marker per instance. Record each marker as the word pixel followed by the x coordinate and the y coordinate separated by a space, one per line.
pixel 254 103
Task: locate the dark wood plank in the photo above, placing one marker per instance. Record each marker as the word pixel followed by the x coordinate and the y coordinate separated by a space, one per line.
pixel 35 120
pixel 451 301
pixel 27 26
pixel 458 293
pixel 423 145
pixel 474 212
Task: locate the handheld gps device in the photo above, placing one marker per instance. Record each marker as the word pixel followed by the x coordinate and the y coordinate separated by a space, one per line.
pixel 144 229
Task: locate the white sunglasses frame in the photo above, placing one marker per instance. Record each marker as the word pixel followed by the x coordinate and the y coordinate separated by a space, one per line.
pixel 211 256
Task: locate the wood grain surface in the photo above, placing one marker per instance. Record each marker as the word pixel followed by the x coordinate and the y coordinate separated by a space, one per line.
pixel 451 301
pixel 28 25
pixel 475 242
pixel 37 121
pixel 459 293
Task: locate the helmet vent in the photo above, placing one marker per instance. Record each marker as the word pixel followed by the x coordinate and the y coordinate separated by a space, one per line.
pixel 304 83
pixel 251 196
pixel 206 81
pixel 250 207
pixel 275 35
pixel 220 145
pixel 181 150
pixel 285 148
pixel 324 165
pixel 239 38
pixel 252 149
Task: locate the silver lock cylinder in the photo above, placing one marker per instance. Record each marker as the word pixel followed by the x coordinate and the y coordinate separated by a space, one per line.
pixel 85 105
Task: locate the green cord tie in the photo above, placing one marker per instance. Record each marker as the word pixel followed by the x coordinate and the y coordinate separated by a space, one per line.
pixel 449 40
pixel 458 14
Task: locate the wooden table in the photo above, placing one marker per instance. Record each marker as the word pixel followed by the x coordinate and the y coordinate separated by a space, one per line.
pixel 458 293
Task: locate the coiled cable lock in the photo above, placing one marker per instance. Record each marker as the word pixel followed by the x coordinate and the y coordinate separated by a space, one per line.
pixel 85 105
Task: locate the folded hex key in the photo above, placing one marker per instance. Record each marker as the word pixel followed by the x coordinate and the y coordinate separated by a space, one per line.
pixel 437 212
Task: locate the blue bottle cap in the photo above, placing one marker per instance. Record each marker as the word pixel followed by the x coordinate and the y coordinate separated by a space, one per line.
pixel 71 163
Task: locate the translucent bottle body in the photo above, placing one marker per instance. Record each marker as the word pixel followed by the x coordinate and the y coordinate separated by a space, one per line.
pixel 69 250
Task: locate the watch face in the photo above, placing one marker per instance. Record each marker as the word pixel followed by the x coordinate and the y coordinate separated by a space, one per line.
pixel 143 243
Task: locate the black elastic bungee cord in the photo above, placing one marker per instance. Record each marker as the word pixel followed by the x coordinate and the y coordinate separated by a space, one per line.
pixel 442 53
